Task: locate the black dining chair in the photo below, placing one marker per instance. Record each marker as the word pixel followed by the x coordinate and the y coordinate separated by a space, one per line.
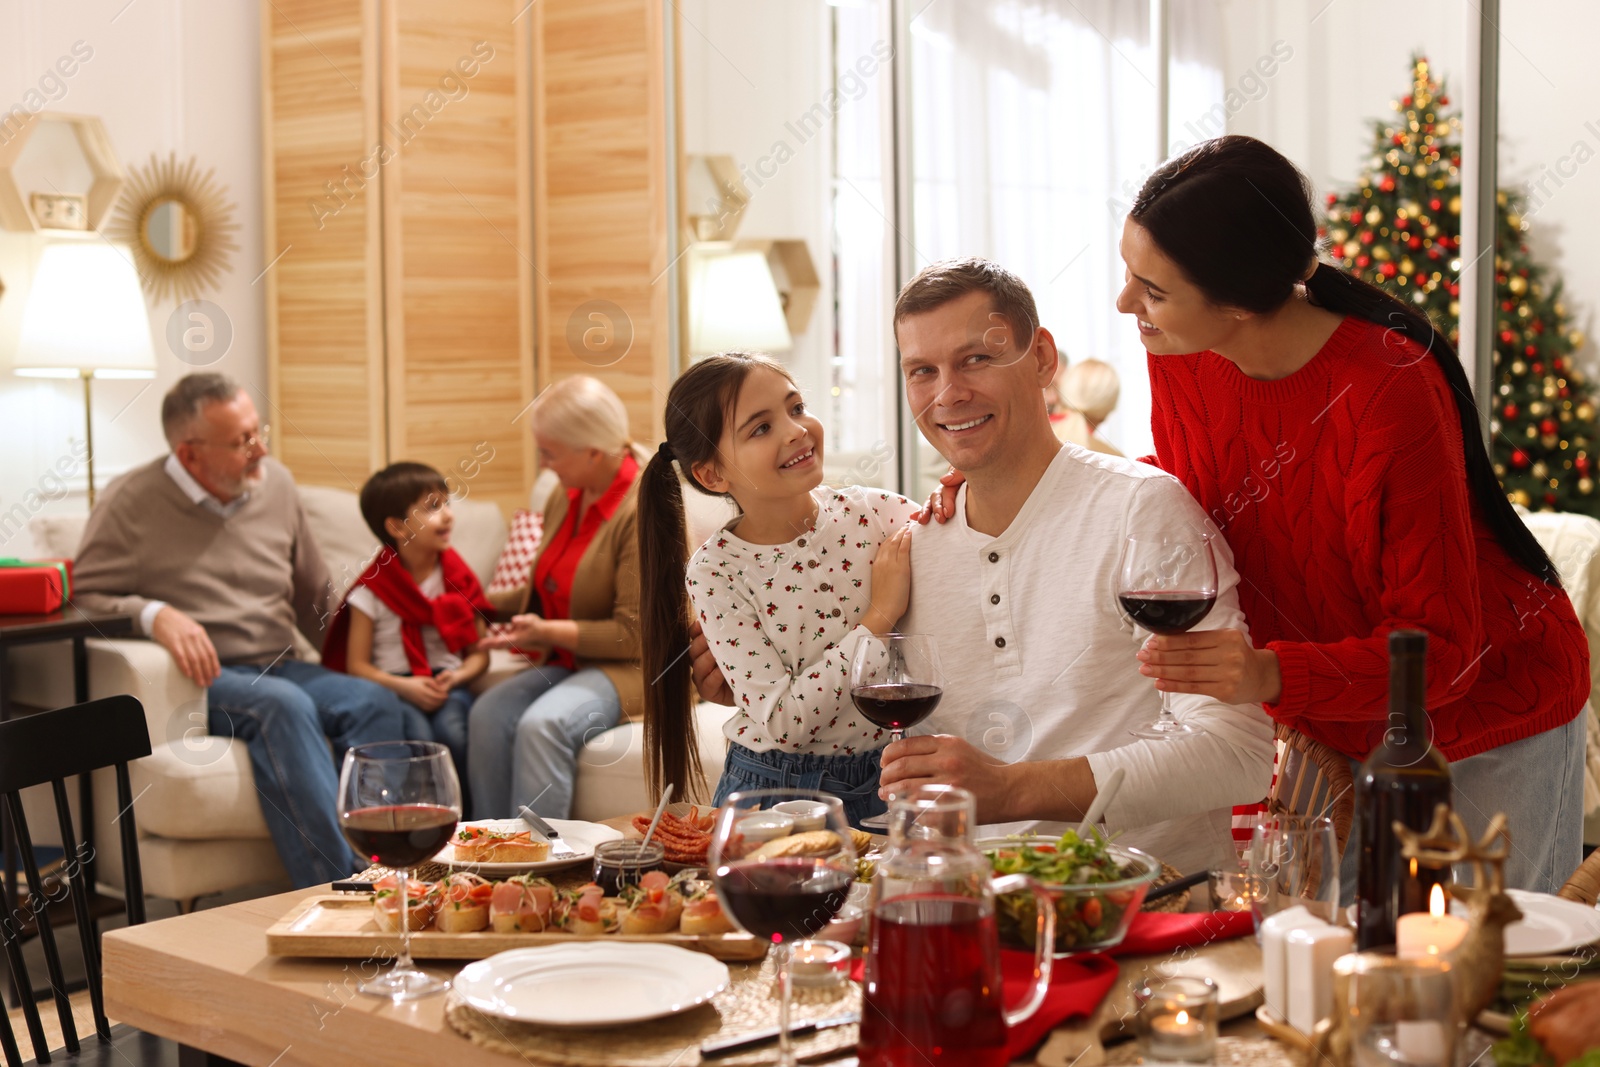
pixel 48 748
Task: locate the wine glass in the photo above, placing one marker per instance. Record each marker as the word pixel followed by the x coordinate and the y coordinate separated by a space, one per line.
pixel 1168 585
pixel 399 802
pixel 779 897
pixel 895 682
pixel 1294 860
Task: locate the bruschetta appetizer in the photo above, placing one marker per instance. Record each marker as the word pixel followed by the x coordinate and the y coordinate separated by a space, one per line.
pixel 461 903
pixel 479 844
pixel 588 911
pixel 702 911
pixel 524 904
pixel 386 903
pixel 651 907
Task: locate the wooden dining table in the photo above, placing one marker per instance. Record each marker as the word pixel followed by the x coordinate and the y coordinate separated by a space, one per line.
pixel 207 981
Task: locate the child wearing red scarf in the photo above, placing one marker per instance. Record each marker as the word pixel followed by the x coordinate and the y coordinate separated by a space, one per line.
pixel 413 618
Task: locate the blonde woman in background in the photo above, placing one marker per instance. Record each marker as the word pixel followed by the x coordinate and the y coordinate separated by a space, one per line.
pixel 580 607
pixel 1088 391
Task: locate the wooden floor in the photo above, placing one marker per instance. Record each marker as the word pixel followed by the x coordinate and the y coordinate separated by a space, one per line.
pixel 52 1023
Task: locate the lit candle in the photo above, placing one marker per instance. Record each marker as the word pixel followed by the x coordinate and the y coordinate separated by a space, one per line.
pixel 1433 933
pixel 1177 1022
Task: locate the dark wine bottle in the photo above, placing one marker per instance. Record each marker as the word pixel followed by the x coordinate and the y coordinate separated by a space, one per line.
pixel 1402 781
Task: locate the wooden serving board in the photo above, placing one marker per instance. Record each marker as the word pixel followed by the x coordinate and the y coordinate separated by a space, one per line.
pixel 341 926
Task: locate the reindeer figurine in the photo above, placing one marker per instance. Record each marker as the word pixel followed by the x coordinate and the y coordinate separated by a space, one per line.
pixel 1478 962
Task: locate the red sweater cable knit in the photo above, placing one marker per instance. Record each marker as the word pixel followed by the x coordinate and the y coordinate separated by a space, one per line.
pixel 1343 494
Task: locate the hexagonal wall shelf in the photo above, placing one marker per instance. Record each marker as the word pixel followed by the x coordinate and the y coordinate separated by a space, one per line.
pixel 793 273
pixel 95 144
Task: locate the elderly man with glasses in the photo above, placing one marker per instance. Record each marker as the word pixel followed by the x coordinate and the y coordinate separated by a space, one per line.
pixel 210 550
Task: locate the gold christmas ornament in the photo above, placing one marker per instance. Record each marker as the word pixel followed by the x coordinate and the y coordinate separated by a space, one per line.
pixel 1374 216
pixel 1518 367
pixel 1585 485
pixel 1518 284
pixel 1541 471
pixel 1585 411
pixel 1521 497
pixel 1380 253
pixel 1455 205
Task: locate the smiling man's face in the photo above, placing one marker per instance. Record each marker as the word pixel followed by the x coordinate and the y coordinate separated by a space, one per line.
pixel 977 391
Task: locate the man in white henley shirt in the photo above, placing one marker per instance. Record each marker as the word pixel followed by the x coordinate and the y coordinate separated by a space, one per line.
pixel 1019 587
pixel 1042 687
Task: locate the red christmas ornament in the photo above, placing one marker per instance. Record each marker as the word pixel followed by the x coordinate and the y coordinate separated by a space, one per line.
pixel 1538 368
pixel 1538 326
pixel 1506 305
pixel 1405 102
pixel 1415 242
pixel 1548 426
pixel 1565 391
pixel 1388 270
pixel 1333 198
pixel 1401 224
pixel 1363 261
pixel 1434 253
pixel 1509 411
pixel 1455 290
pixel 1508 337
pixel 1519 459
pixel 1421 280
pixel 1550 499
pixel 1582 464
pixel 1386 184
pixel 1365 237
pixel 1444 101
pixel 1533 350
pixel 1399 139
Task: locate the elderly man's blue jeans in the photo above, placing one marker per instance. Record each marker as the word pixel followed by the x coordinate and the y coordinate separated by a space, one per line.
pixel 287 715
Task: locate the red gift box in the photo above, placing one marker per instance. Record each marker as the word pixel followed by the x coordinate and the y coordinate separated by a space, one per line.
pixel 34 587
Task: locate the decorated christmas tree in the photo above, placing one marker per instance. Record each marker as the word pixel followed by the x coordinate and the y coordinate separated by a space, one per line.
pixel 1400 229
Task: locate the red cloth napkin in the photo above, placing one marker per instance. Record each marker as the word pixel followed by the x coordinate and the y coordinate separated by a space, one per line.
pixel 1163 931
pixel 1077 986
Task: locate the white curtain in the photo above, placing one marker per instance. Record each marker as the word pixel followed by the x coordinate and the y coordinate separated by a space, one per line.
pixel 1032 126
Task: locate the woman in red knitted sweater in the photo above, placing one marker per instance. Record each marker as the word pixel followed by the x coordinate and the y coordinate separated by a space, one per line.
pixel 1331 435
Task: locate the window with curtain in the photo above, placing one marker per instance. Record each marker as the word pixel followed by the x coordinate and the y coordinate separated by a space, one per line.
pixel 1031 123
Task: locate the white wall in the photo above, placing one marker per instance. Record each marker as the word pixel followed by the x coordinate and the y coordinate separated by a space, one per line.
pixel 750 72
pixel 1352 58
pixel 164 76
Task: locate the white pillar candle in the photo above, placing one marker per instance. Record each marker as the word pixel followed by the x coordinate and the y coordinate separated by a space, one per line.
pixel 1309 953
pixel 1430 933
pixel 1274 929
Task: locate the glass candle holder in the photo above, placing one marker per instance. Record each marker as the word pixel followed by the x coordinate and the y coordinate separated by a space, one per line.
pixel 1401 1011
pixel 819 963
pixel 623 863
pixel 1235 890
pixel 1177 1019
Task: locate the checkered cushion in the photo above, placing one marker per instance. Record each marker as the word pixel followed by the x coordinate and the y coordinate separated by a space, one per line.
pixel 516 559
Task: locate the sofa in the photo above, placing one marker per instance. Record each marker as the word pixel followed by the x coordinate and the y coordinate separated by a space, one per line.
pixel 199 820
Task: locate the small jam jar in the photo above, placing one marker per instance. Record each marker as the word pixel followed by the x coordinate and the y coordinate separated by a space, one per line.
pixel 623 863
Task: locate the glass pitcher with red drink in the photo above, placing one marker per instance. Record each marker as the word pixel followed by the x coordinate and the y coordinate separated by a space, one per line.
pixel 933 985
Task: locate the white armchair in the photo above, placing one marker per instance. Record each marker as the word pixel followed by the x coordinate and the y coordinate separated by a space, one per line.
pixel 199 820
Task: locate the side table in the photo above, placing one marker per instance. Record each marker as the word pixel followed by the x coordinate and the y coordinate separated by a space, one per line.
pixel 68 624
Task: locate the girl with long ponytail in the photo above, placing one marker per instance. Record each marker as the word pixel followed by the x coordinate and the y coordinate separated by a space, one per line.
pixel 1330 432
pixel 783 593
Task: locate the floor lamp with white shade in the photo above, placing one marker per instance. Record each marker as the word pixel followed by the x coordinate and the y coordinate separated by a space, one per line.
pixel 85 318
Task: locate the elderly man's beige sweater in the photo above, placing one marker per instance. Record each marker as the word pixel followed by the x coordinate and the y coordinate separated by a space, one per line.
pixel 250 579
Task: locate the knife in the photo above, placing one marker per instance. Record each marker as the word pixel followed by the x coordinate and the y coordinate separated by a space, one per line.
pixel 558 847
pixel 723 1046
pixel 1177 885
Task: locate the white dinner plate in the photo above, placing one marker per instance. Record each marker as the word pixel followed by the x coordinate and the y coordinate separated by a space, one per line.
pixel 582 836
pixel 592 983
pixel 1549 925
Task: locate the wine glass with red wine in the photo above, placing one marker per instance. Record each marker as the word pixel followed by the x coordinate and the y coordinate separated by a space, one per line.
pixel 399 802
pixel 777 892
pixel 895 682
pixel 1168 585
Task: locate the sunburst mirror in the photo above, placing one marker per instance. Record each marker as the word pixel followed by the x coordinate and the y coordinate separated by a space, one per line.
pixel 179 224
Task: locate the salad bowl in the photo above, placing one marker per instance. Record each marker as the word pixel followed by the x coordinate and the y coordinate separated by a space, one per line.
pixel 1098 886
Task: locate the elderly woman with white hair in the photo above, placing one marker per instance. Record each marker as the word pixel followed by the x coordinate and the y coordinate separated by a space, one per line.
pixel 580 607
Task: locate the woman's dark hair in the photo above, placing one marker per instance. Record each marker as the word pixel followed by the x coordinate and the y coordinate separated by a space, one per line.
pixel 1236 217
pixel 698 409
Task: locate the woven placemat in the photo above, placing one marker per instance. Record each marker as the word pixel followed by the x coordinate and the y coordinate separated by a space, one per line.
pixel 749 1003
pixel 1178 901
pixel 1231 1052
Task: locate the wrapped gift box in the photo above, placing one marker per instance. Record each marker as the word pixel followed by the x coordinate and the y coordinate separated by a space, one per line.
pixel 35 586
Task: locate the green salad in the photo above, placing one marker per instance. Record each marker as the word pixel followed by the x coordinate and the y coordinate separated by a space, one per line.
pixel 1085 918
